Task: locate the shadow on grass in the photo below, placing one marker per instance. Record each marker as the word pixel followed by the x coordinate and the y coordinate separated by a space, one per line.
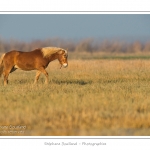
pixel 56 81
pixel 79 82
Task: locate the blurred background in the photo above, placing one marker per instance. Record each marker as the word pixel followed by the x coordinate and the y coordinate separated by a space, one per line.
pixel 79 33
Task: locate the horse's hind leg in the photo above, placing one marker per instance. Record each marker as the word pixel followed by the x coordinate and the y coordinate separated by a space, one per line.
pixel 37 76
pixel 6 74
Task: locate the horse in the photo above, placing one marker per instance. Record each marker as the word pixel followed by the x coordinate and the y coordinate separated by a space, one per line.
pixel 37 59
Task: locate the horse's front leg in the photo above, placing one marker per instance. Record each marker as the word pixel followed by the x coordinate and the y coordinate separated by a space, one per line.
pixel 45 73
pixel 37 76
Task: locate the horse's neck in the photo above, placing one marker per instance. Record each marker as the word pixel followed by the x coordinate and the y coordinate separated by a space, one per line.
pixel 53 57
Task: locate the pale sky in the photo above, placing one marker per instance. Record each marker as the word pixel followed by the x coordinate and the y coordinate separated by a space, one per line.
pixel 27 27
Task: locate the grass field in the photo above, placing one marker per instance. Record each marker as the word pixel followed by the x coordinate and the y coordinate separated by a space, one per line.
pixel 90 97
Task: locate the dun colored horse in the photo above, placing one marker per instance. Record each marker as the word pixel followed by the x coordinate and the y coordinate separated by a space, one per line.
pixel 37 59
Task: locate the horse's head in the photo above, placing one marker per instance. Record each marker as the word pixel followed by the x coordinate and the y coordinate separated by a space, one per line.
pixel 63 56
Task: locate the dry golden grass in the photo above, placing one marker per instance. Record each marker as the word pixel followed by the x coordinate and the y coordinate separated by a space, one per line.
pixel 90 97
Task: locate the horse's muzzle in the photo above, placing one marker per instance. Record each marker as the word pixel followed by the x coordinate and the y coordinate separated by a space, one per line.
pixel 65 65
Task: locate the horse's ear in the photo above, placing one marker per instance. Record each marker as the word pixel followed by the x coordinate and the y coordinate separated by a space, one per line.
pixel 66 51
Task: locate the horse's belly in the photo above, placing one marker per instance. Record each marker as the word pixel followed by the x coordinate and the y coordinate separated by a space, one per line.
pixel 24 67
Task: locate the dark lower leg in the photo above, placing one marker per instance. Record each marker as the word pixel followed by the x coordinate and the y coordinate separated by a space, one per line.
pixel 5 78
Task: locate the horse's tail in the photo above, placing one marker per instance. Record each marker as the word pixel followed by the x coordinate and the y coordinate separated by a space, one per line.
pixel 1 64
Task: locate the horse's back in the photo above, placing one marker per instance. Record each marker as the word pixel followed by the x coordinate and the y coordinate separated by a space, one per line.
pixel 32 54
pixel 14 55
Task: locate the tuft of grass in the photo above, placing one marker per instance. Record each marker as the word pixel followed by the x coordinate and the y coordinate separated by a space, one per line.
pixel 90 97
